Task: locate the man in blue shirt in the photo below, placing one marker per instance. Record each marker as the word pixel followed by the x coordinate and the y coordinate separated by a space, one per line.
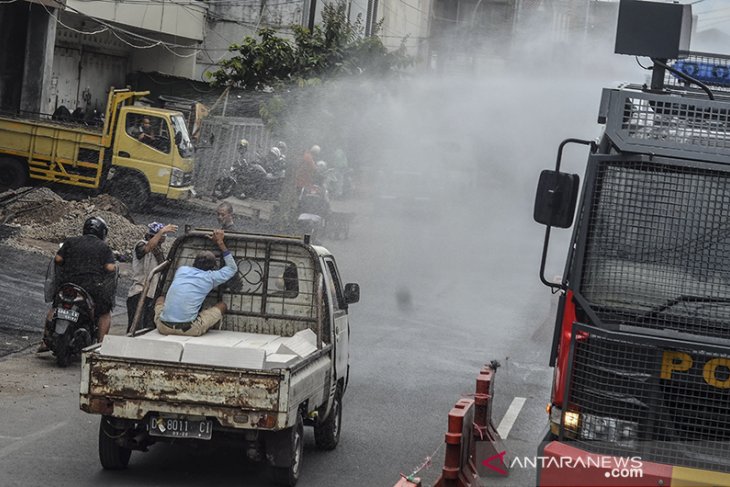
pixel 179 313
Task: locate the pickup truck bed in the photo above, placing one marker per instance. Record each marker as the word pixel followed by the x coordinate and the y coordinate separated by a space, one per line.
pixel 221 374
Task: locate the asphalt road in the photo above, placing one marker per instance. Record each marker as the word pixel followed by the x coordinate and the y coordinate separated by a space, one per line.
pixel 444 290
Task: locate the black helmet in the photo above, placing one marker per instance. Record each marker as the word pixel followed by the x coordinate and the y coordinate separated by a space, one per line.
pixel 95 225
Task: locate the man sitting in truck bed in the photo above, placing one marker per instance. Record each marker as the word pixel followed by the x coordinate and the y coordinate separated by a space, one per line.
pixel 179 313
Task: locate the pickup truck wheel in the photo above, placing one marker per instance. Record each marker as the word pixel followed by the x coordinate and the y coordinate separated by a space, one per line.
pixel 13 173
pixel 288 476
pixel 130 189
pixel 327 433
pixel 111 455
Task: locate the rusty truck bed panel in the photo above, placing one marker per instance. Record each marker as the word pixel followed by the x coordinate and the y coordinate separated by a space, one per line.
pixel 183 383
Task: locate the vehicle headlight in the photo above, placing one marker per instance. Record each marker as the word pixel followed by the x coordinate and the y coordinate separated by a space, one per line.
pixel 595 428
pixel 177 177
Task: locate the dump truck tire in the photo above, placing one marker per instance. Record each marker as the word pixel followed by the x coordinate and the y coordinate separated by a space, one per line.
pixel 13 173
pixel 131 189
pixel 111 455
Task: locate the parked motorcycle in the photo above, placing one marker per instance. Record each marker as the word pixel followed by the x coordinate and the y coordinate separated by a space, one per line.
pixel 73 326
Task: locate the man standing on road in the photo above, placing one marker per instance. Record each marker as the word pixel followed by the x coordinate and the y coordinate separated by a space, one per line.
pixel 224 213
pixel 179 313
pixel 147 255
pixel 88 262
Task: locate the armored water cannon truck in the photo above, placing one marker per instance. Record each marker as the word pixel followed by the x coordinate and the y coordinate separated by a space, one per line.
pixel 641 346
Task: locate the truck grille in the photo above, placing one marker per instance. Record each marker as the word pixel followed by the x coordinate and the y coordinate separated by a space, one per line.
pixel 657 252
pixel 664 401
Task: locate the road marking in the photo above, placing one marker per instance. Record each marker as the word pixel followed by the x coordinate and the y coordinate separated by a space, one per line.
pixel 510 416
pixel 25 440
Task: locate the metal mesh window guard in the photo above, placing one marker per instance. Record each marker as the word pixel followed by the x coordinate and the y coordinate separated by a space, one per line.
pixel 658 248
pixel 273 279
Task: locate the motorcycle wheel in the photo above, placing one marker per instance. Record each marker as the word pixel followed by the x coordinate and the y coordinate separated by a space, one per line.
pixel 63 350
pixel 223 188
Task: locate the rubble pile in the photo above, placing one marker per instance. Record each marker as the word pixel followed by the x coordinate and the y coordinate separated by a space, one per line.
pixel 42 215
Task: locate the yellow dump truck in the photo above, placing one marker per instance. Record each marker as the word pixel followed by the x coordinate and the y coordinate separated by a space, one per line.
pixel 139 152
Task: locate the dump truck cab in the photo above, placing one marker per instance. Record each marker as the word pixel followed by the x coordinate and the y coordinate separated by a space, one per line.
pixel 163 158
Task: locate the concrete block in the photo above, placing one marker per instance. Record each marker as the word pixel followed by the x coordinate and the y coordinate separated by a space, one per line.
pixel 136 348
pixel 223 356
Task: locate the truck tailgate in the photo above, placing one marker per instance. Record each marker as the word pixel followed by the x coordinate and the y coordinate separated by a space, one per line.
pixel 179 383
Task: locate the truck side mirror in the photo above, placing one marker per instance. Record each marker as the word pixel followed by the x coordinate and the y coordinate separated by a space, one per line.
pixel 557 193
pixel 352 293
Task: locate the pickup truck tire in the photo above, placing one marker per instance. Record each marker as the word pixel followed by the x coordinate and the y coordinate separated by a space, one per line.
pixel 13 173
pixel 131 189
pixel 327 433
pixel 288 476
pixel 111 455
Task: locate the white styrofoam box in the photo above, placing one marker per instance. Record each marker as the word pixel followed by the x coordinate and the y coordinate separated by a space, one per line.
pixel 308 335
pixel 297 344
pixel 156 335
pixel 131 347
pixel 255 340
pixel 223 338
pixel 280 360
pixel 274 346
pixel 223 356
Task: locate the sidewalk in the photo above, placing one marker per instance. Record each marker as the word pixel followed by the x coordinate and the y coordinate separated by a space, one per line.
pixel 261 210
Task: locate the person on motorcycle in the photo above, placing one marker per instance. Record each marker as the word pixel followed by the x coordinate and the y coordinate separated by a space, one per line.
pixel 146 256
pixel 88 262
pixel 281 145
pixel 242 151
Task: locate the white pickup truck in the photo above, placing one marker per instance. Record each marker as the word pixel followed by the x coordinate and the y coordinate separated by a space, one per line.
pixel 279 361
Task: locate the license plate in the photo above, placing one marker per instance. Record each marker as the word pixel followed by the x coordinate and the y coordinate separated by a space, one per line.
pixel 175 427
pixel 67 314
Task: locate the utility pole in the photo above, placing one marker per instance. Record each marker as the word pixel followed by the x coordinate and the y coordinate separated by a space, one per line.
pixel 312 11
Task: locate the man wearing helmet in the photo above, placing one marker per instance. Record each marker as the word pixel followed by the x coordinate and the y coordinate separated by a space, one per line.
pixel 146 256
pixel 88 262
pixel 242 150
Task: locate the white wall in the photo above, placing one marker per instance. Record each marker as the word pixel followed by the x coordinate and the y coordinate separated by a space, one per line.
pixel 161 60
pixel 181 18
pixel 403 18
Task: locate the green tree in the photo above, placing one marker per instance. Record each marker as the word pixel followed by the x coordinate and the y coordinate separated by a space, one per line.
pixel 337 47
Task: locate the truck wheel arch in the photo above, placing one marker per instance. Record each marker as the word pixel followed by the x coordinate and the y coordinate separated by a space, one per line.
pixel 13 172
pixel 129 186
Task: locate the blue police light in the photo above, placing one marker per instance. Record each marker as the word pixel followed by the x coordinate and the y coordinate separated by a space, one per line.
pixel 715 74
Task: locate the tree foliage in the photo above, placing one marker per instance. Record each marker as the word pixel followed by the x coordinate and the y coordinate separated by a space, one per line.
pixel 334 48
